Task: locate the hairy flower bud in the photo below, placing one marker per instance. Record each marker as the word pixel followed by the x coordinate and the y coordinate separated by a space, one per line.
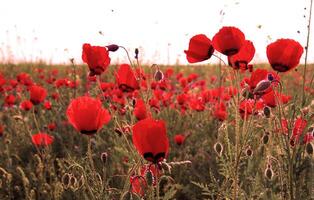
pixel 269 173
pixel 218 148
pixel 309 148
pixel 261 87
pixel 104 157
pixel 249 152
pixel 136 53
pixel 267 111
pixel 158 76
pixel 112 47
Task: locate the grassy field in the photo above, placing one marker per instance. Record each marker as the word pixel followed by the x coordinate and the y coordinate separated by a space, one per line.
pixel 224 143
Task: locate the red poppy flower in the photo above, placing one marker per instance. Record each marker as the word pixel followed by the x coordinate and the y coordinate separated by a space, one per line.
pixel 2 80
pixel 138 185
pixel 9 100
pixel 243 57
pixel 284 54
pixel 259 82
pixel 200 49
pixel 52 126
pixel 126 79
pixel 42 139
pixel 220 111
pixel 179 139
pixel 249 106
pixel 182 98
pixel 271 98
pixel 26 105
pixel 24 79
pixel 197 104
pixel 298 128
pixel 87 115
pixel 1 130
pixel 47 105
pixel 229 40
pixel 150 139
pixel 96 57
pixel 37 94
pixel 140 111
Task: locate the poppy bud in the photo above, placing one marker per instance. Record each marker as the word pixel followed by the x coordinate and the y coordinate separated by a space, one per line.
pixel 267 111
pixel 262 86
pixel 265 138
pixel 158 76
pixel 292 142
pixel 270 77
pixel 104 157
pixel 112 47
pixel 136 53
pixel 309 148
pixel 149 177
pixel 218 148
pixel 249 152
pixel 269 173
pixel 118 131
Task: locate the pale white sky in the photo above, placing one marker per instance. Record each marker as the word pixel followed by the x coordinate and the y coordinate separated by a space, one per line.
pixel 32 29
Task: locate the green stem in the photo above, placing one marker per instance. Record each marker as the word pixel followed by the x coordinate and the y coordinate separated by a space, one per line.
pixel 306 53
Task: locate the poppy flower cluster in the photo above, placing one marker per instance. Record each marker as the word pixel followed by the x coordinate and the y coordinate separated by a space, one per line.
pixel 283 54
pixel 229 41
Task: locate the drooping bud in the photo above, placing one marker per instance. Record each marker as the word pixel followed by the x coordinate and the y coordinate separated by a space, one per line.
pixel 112 47
pixel 158 76
pixel 149 177
pixel 265 138
pixel 261 87
pixel 309 148
pixel 249 152
pixel 118 131
pixel 267 111
pixel 218 148
pixel 136 53
pixel 269 173
pixel 270 77
pixel 104 157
